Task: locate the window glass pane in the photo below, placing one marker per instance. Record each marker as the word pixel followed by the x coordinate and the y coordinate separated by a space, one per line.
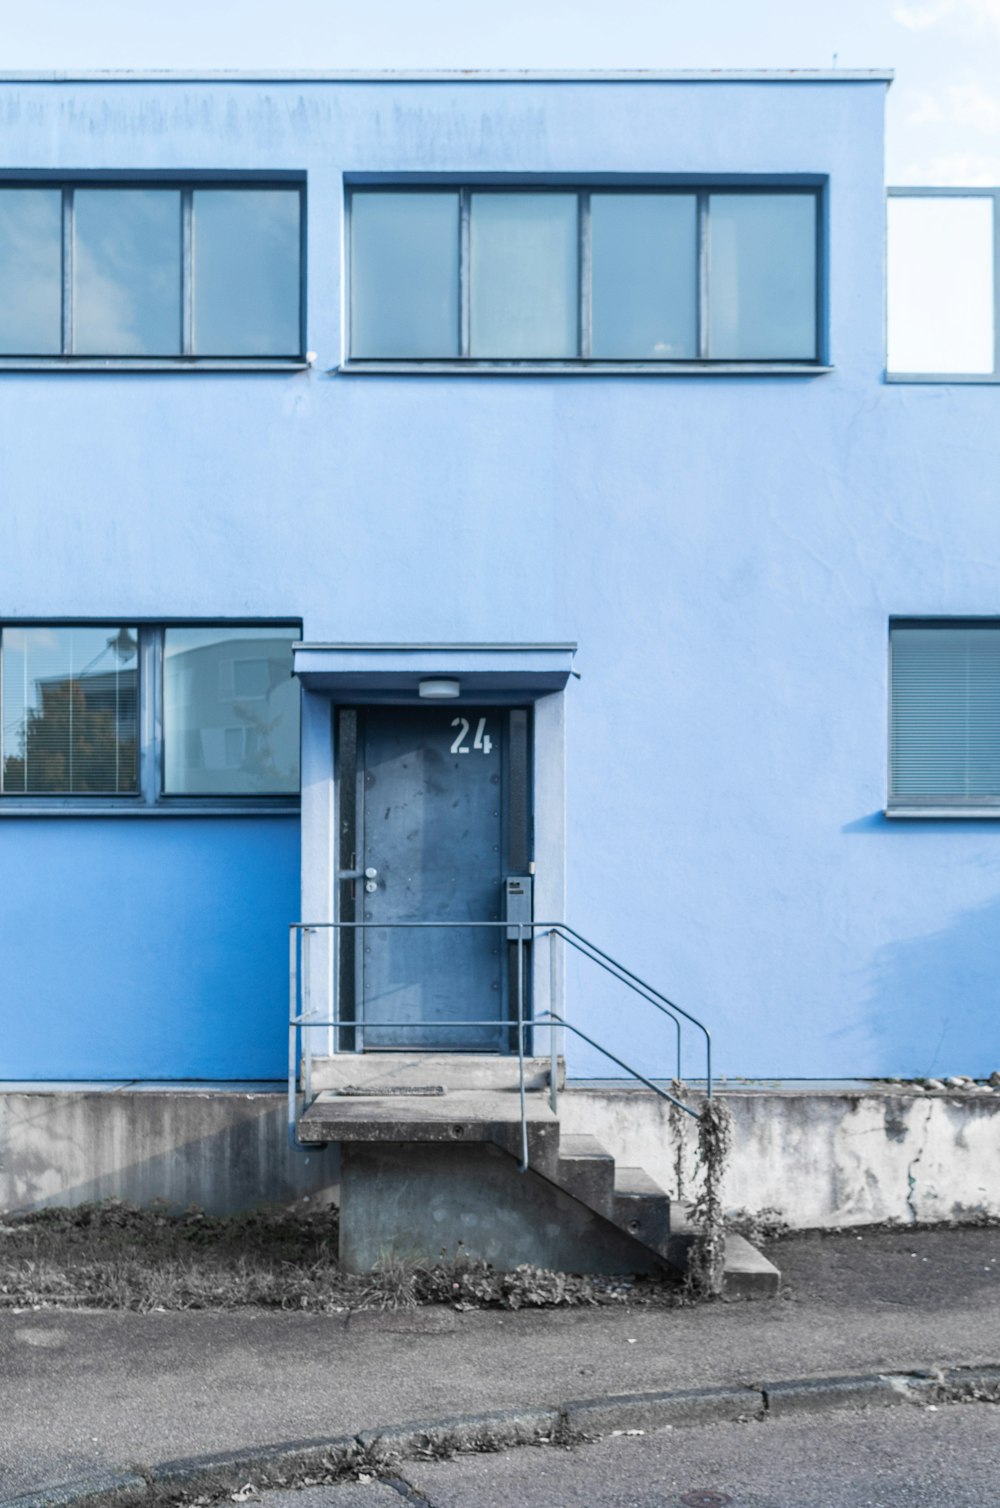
pixel 945 713
pixel 127 294
pixel 30 272
pixel 70 710
pixel 230 712
pixel 940 285
pixel 645 275
pixel 523 276
pixel 247 272
pixel 404 275
pixel 762 276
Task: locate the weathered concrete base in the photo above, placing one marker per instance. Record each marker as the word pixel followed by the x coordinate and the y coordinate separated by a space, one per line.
pixel 433 1201
pixel 819 1157
pixel 221 1149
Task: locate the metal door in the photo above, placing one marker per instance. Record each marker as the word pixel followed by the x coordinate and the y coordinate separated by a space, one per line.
pixel 432 847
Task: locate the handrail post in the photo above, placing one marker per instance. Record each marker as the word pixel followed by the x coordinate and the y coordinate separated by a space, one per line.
pixel 520 1045
pixel 306 1014
pixel 293 1031
pixel 554 956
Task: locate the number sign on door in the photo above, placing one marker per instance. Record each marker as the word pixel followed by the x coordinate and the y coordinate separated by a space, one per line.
pixel 482 741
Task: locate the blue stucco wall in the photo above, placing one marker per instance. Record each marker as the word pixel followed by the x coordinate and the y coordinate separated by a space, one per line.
pixel 139 948
pixel 726 551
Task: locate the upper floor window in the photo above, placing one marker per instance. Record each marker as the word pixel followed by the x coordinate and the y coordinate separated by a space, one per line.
pixel 146 271
pixel 942 277
pixel 595 275
pixel 148 713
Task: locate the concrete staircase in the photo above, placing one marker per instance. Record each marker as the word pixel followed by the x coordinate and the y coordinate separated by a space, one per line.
pixel 416 1134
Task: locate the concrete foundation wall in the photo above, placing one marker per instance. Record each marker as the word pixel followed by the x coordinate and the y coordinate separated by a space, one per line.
pixel 225 1151
pixel 821 1158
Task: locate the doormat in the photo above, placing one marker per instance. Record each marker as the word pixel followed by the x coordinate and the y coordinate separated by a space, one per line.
pixel 378 1091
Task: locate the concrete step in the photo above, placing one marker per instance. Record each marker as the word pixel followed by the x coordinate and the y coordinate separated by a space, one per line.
pixel 586 1170
pixel 456 1070
pixel 641 1208
pixel 457 1116
pixel 748 1274
pixel 577 1165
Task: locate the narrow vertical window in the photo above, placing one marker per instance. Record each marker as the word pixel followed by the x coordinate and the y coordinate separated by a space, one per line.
pixel 523 274
pixel 405 282
pixel 127 272
pixel 645 276
pixel 762 276
pixel 30 271
pixel 246 272
pixel 940 285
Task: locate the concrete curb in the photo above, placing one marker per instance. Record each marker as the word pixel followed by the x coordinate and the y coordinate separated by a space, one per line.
pixel 503 1428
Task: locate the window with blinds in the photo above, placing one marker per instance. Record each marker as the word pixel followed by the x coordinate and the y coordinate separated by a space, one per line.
pixel 945 714
pixel 70 710
pixel 153 715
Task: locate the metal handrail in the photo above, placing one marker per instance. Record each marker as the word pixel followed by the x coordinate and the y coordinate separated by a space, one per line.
pixel 307 1020
pixel 663 1093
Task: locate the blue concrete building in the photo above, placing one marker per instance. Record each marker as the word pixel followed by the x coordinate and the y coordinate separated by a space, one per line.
pixel 521 449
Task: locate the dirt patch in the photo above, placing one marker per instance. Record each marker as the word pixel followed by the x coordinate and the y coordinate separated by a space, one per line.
pixel 113 1255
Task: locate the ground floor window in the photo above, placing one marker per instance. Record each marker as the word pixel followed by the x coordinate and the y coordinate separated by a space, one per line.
pixel 945 713
pixel 148 713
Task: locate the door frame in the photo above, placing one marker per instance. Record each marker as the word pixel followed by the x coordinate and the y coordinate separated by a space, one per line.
pixel 505 675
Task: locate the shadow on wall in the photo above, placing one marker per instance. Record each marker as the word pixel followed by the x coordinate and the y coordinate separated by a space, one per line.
pixel 934 1001
pixel 225 1152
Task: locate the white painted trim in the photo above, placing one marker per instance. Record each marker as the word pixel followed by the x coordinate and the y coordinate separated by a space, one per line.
pixel 452 76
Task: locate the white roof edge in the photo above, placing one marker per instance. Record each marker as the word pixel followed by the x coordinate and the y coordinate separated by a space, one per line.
pixel 450 76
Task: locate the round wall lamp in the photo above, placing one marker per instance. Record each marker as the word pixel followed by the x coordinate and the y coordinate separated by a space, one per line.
pixel 439 690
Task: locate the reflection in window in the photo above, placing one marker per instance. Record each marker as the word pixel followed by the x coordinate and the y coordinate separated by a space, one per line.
pixel 762 276
pixel 523 272
pixel 70 700
pixel 404 291
pixel 127 272
pixel 31 271
pixel 649 275
pixel 246 272
pixel 102 271
pixel 645 277
pixel 230 712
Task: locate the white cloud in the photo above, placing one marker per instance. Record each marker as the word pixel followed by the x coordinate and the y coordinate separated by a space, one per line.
pixel 971 106
pixel 953 170
pixel 920 17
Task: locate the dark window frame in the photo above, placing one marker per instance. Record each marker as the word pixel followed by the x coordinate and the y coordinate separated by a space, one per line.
pixel 150 798
pixel 583 361
pixel 185 184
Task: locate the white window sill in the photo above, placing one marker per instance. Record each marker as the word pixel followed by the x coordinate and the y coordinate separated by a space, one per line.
pixel 460 368
pixel 185 364
pixel 946 813
pixel 942 379
pixel 61 807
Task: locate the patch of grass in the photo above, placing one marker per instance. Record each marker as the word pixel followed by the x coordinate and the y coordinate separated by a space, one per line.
pixel 114 1255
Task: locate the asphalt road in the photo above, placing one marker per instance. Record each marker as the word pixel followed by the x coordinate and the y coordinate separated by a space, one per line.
pixel 905 1457
pixel 82 1392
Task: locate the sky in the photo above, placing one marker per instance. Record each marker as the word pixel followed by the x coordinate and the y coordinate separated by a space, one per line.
pixel 944 108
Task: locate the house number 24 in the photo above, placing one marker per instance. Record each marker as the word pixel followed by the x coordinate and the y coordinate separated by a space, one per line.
pixel 482 741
